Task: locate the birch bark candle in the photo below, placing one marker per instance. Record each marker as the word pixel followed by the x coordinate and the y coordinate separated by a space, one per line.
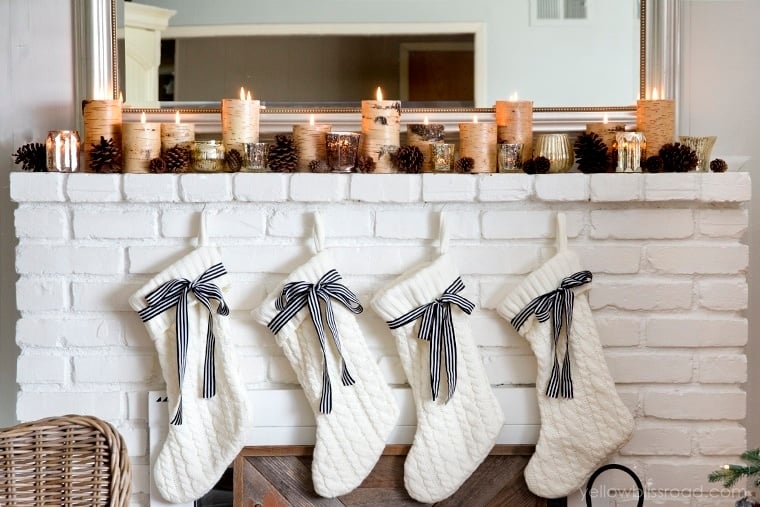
pixel 478 141
pixel 381 122
pixel 514 119
pixel 142 142
pixel 101 118
pixel 656 118
pixel 177 134
pixel 240 121
pixel 606 130
pixel 422 135
pixel 311 143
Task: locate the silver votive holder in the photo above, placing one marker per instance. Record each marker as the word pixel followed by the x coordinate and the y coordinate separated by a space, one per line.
pixel 208 157
pixel 255 157
pixel 557 148
pixel 62 148
pixel 702 146
pixel 342 150
pixel 509 157
pixel 442 157
pixel 631 149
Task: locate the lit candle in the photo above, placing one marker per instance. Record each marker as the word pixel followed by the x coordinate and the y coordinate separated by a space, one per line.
pixel 422 135
pixel 240 121
pixel 514 118
pixel 606 130
pixel 381 121
pixel 142 142
pixel 477 140
pixel 177 134
pixel 101 118
pixel 656 118
pixel 631 147
pixel 310 142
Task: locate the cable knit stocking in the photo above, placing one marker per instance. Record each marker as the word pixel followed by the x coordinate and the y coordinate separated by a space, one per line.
pixel 583 420
pixel 184 312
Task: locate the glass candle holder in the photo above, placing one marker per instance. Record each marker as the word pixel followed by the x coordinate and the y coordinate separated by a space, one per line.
pixel 702 146
pixel 509 157
pixel 62 148
pixel 342 149
pixel 441 157
pixel 208 156
pixel 631 148
pixel 255 157
pixel 557 148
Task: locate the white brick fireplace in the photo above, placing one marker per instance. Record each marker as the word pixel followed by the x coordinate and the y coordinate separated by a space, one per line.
pixel 669 293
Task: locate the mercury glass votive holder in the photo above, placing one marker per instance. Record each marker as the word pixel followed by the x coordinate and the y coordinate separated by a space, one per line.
pixel 557 148
pixel 342 150
pixel 208 157
pixel 509 157
pixel 702 146
pixel 255 157
pixel 62 148
pixel 441 157
pixel 631 149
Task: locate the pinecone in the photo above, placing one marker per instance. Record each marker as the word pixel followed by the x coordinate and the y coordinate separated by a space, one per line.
pixel 591 153
pixel 408 159
pixel 157 165
pixel 105 157
pixel 32 156
pixel 653 164
pixel 538 165
pixel 365 164
pixel 234 160
pixel 319 166
pixel 177 159
pixel 465 164
pixel 678 158
pixel 282 154
pixel 718 165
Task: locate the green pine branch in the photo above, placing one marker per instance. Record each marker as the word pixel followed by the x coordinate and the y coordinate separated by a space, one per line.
pixel 730 474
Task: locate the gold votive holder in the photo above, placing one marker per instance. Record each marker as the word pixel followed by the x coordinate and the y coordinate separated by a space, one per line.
pixel 255 157
pixel 62 148
pixel 702 146
pixel 208 157
pixel 441 157
pixel 342 149
pixel 557 148
pixel 509 157
pixel 631 149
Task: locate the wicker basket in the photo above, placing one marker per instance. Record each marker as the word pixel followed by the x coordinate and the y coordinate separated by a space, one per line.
pixel 64 461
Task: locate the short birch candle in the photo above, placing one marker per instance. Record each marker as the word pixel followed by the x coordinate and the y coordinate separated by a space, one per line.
pixel 656 118
pixel 142 142
pixel 514 118
pixel 311 143
pixel 381 138
pixel 478 141
pixel 240 121
pixel 101 118
pixel 177 134
pixel 422 135
pixel 606 130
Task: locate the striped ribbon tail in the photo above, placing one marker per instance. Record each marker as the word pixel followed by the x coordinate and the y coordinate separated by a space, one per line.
pixel 175 293
pixel 437 327
pixel 556 305
pixel 297 295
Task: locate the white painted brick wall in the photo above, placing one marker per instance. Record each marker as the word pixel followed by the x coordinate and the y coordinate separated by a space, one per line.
pixel 669 293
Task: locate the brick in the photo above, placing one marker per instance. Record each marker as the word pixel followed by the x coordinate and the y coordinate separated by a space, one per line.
pixel 86 187
pixel 642 224
pixel 654 368
pixel 134 331
pixel 253 368
pixel 153 259
pixel 504 187
pixel 151 187
pixel 264 258
pixel 37 187
pixel 504 369
pixel 111 223
pixel 722 441
pixel 720 223
pixel 339 221
pixel 723 369
pixel 690 259
pixel 616 187
pixel 244 331
pixel 631 400
pixel 642 295
pixel 425 224
pixel 137 405
pixel 56 332
pixel 280 371
pixel 36 405
pixel 245 295
pixel 565 187
pixel 205 187
pixel 392 371
pixel 39 369
pixel 696 405
pixel 671 187
pixel 676 476
pixel 723 294
pixel 449 187
pixel 379 260
pixel 46 259
pixel 103 296
pixel 491 330
pixel 493 292
pixel 726 187
pixel 136 438
pixel 707 331
pixel 41 223
pixel 528 224
pixel 657 441
pixel 312 187
pixel 140 478
pixel 618 331
pixel 399 188
pixel 33 294
pixel 261 187
pixel 495 260
pixel 609 258
pixel 114 368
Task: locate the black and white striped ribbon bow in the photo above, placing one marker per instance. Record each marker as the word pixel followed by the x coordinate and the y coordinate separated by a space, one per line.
pixel 175 293
pixel 437 327
pixel 295 296
pixel 557 304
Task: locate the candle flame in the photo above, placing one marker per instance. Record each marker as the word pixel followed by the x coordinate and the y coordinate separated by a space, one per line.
pixel 426 122
pixel 606 119
pixel 655 94
pixel 248 96
pixel 379 94
pixel 142 117
pixel 311 120
pixel 475 119
pixel 242 93
pixel 513 97
pixel 176 118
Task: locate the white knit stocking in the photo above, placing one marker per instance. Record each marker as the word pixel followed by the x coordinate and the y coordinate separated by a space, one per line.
pixel 586 422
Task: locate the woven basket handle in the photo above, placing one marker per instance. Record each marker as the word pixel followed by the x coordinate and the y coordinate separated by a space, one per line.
pixel 614 466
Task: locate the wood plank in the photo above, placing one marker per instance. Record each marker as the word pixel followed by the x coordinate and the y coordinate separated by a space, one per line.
pixel 375 497
pixel 494 475
pixel 390 450
pixel 292 479
pixel 255 488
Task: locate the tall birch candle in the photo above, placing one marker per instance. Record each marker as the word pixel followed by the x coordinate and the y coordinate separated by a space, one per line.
pixel 656 118
pixel 177 134
pixel 240 121
pixel 101 118
pixel 422 135
pixel 606 130
pixel 311 143
pixel 381 123
pixel 477 140
pixel 514 119
pixel 142 142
